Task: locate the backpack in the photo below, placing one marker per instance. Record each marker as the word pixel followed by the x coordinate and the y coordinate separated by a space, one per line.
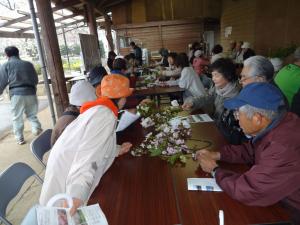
pixel 230 128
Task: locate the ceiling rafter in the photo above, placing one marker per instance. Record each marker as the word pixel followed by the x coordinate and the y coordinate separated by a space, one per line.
pixel 59 20
pixel 56 8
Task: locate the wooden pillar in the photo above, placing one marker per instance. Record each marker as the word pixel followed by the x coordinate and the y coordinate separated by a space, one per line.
pixel 54 63
pixel 91 19
pixel 109 38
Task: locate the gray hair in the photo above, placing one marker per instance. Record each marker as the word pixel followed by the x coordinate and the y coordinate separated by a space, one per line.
pixel 260 66
pixel 251 110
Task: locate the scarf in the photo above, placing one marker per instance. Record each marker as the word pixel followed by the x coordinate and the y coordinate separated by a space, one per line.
pixel 226 90
pixel 104 101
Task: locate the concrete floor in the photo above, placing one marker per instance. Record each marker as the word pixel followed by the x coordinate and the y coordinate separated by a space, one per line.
pixel 11 152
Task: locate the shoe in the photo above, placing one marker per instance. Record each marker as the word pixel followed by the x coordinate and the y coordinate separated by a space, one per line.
pixel 21 141
pixel 37 132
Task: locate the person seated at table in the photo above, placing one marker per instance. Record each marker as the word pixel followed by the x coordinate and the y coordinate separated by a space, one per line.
pixel 111 57
pixel 247 52
pixel 217 53
pixel 277 64
pixel 119 67
pixel 194 47
pixel 81 92
pixel 189 79
pixel 288 80
pixel 164 57
pixel 199 64
pixel 232 50
pixel 172 70
pixel 273 152
pixel 256 69
pixel 87 147
pixel 238 59
pixel 225 87
pixel 96 75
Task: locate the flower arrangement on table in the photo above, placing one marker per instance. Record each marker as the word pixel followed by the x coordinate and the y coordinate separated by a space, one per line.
pixel 169 135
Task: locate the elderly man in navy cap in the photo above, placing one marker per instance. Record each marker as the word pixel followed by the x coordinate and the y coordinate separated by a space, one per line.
pixel 273 151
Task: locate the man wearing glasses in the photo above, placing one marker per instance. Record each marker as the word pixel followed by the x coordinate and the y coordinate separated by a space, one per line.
pixel 273 152
pixel 256 69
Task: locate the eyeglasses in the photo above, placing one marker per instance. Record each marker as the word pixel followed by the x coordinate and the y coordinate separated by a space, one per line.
pixel 243 78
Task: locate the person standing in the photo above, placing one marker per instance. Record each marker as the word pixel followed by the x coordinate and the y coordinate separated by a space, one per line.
pixel 137 52
pixel 111 57
pixel 21 78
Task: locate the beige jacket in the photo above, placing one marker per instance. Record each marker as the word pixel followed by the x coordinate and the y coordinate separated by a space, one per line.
pixel 81 155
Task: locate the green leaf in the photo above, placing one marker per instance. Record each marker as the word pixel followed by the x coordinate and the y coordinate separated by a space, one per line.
pixel 172 159
pixel 155 152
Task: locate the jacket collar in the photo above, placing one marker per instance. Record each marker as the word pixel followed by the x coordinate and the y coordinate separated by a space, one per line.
pixel 116 72
pixel 272 125
pixel 104 101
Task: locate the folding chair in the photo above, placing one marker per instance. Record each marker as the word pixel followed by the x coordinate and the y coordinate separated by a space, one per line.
pixel 41 145
pixel 11 181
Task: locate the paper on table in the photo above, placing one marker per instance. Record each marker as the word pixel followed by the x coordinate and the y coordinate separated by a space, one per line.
pixel 126 119
pixel 200 118
pixel 203 184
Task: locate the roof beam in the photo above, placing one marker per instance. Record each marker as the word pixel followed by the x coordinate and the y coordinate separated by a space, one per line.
pixel 112 3
pixel 56 21
pixel 4 34
pixel 56 8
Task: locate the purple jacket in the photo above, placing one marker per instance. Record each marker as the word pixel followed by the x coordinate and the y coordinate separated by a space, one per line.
pixel 275 172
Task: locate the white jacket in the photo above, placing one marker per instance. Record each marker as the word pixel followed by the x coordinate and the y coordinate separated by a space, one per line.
pixel 81 155
pixel 190 81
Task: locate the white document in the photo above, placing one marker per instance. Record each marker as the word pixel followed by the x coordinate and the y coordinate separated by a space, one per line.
pixel 199 118
pixel 203 184
pixel 88 215
pixel 126 119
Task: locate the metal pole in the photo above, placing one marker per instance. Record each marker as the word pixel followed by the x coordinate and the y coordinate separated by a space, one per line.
pixel 67 48
pixel 42 59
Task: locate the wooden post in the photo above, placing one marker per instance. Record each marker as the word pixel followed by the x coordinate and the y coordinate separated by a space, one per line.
pixel 108 32
pixel 54 63
pixel 91 19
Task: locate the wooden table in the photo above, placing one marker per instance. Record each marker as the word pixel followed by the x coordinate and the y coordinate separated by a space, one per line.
pixel 147 191
pixel 156 92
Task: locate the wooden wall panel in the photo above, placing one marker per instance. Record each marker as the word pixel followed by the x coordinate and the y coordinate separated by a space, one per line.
pixel 138 11
pixel 174 37
pixel 241 16
pixel 276 25
pixel 154 10
pixel 188 9
pixel 158 10
pixel 121 14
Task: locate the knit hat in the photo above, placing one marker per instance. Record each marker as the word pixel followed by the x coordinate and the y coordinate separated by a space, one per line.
pixel 81 92
pixel 198 53
pixel 114 86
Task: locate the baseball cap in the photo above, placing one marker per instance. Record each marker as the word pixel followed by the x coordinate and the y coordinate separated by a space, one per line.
pixel 260 95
